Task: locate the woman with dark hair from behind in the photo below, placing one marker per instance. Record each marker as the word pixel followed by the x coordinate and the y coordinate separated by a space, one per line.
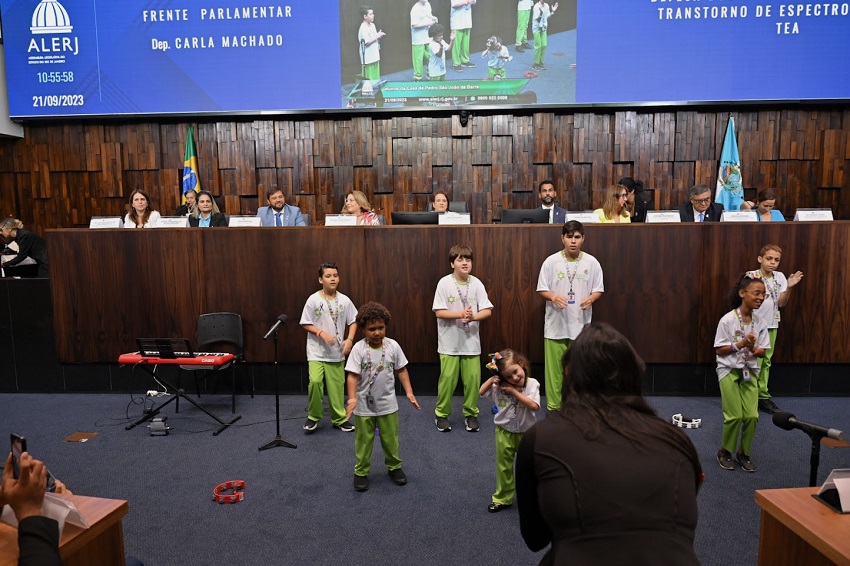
pixel 605 481
pixel 638 202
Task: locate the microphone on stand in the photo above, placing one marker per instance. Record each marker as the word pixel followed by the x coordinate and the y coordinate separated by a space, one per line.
pixel 280 320
pixel 788 421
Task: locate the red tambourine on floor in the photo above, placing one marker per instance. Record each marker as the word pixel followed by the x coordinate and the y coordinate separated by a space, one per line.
pixel 236 492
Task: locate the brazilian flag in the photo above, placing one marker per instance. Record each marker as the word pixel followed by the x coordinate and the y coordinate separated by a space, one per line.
pixel 191 182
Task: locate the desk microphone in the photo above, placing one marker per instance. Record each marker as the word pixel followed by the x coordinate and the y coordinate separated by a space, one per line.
pixel 788 421
pixel 280 320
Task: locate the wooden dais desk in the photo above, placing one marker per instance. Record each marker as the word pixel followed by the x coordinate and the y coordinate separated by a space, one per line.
pixel 101 543
pixel 797 529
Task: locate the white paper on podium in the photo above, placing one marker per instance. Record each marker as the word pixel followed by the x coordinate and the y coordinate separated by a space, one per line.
pixel 659 216
pixel 454 218
pixel 738 216
pixel 814 214
pixel 172 222
pixel 340 220
pixel 244 221
pixel 839 480
pixel 60 509
pixel 98 222
pixel 586 217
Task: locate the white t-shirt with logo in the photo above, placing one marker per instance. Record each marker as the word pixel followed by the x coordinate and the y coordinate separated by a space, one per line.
pixel 453 336
pixel 555 275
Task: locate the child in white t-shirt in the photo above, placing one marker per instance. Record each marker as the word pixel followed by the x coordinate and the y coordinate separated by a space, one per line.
pixel 460 302
pixel 740 340
pixel 570 281
pixel 777 292
pixel 516 396
pixel 325 317
pixel 373 366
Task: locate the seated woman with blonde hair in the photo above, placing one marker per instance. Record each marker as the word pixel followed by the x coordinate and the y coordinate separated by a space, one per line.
pixel 206 213
pixel 357 203
pixel 614 208
pixel 765 201
pixel 141 214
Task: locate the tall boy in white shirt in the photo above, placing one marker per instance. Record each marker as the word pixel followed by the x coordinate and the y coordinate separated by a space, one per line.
pixel 570 281
pixel 460 302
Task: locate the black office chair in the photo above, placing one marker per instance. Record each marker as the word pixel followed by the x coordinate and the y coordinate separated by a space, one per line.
pixel 458 206
pixel 217 331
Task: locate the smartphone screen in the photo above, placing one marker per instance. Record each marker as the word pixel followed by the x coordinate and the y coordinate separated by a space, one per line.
pixel 19 446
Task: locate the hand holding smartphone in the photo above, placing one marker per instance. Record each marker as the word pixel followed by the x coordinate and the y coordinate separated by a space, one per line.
pixel 19 446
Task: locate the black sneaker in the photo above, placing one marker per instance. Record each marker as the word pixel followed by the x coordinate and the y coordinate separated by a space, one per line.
pixel 746 464
pixel 458 68
pixel 398 477
pixel 526 45
pixel 519 49
pixel 768 406
pixel 310 426
pixel 471 424
pixel 442 424
pixel 469 64
pixel 361 483
pixel 724 458
pixel 345 426
pixel 496 507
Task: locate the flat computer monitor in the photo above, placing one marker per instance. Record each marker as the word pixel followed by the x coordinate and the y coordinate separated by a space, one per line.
pixel 525 216
pixel 400 218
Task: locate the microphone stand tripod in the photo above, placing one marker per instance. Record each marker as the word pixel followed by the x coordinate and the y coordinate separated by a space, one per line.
pixel 278 440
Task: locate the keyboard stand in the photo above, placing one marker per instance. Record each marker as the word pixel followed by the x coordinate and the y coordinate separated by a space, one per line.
pixel 175 395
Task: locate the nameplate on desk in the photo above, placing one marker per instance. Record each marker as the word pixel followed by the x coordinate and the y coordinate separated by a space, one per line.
pixel 814 215
pixel 340 220
pixel 454 218
pixel 172 222
pixel 244 221
pixel 738 216
pixel 835 491
pixel 586 217
pixel 659 216
pixel 106 222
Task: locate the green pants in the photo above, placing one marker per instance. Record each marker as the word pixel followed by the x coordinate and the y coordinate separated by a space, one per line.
pixel 522 19
pixel 419 54
pixel 764 365
pixel 541 40
pixel 469 368
pixel 493 73
pixel 372 71
pixel 364 441
pixel 739 400
pixel 507 443
pixel 332 376
pixel 553 370
pixel 460 48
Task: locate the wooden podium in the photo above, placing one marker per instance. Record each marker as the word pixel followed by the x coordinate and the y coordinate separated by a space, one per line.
pixel 797 529
pixel 101 543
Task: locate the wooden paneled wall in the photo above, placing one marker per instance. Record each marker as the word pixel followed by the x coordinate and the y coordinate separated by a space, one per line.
pixel 62 174
pixel 666 286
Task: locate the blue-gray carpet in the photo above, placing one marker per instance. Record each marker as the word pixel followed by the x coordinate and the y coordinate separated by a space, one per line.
pixel 299 505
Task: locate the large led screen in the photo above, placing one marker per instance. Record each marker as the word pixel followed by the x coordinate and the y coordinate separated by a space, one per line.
pixel 128 57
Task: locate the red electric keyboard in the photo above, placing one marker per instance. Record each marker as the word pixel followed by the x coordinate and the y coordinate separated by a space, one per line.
pixel 199 359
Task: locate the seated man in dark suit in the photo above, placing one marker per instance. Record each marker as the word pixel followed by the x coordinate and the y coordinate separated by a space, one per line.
pixel 278 213
pixel 547 194
pixel 700 208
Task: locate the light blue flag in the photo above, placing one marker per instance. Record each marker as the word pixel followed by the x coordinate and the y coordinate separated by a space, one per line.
pixel 730 190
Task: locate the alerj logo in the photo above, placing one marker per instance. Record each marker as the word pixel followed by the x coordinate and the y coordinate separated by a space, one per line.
pixel 51 18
